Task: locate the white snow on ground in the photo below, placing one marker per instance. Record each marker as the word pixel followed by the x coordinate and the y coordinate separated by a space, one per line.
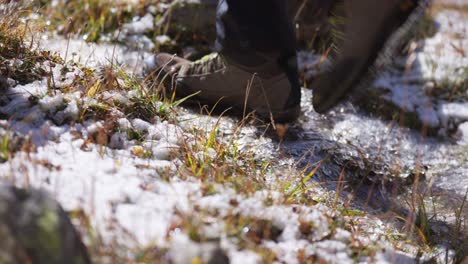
pixel 436 59
pixel 136 200
pixel 440 56
pixel 130 199
pixel 93 55
pixel 119 190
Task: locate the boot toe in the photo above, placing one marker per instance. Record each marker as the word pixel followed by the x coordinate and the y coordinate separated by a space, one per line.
pixel 166 60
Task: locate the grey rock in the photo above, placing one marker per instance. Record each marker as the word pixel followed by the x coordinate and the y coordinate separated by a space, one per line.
pixel 35 229
pixel 118 141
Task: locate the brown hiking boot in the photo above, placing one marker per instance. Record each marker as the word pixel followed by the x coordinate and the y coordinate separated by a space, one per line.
pixel 365 30
pixel 217 82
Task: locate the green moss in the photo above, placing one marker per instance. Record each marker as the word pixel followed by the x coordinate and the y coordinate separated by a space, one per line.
pixel 49 233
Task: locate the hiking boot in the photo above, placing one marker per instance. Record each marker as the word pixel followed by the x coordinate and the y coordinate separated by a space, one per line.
pixel 365 30
pixel 223 84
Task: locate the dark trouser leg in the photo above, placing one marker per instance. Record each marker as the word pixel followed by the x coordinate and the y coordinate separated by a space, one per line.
pixel 253 32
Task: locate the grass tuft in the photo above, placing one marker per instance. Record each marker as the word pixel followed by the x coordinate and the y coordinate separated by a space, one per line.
pixel 91 19
pixel 19 58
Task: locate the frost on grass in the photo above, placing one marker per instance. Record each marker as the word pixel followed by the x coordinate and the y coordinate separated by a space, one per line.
pixel 144 178
pixel 131 178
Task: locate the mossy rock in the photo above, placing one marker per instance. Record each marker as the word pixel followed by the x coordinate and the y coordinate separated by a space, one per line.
pixel 35 229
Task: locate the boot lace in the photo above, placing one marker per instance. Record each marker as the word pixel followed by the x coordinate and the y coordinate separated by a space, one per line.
pixel 208 64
